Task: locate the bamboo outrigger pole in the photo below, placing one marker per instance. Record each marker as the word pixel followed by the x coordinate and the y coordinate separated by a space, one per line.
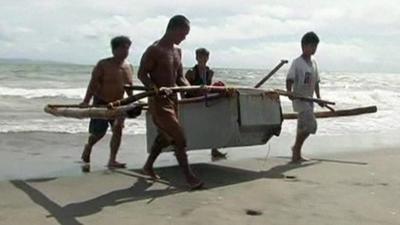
pixel 163 90
pixel 273 71
pixel 336 113
pixel 124 108
pixel 219 89
pixel 75 106
pixel 291 95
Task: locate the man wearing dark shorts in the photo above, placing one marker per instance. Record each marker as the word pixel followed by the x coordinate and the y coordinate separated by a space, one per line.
pixel 107 85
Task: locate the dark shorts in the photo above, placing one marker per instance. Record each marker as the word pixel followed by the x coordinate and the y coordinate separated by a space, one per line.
pixel 99 126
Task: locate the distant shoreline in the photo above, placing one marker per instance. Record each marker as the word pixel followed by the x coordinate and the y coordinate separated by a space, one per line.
pixel 26 61
pixel 32 61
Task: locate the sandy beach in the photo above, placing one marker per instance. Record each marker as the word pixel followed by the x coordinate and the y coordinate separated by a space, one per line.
pixel 69 52
pixel 345 183
pixel 28 155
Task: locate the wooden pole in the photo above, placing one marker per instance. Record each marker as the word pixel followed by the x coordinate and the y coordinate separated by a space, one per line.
pixel 164 90
pixel 130 111
pixel 74 106
pixel 273 71
pixel 135 87
pixel 336 113
pixel 291 95
pixel 218 89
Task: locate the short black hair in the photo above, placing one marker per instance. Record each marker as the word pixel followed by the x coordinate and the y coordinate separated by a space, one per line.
pixel 120 40
pixel 202 51
pixel 178 21
pixel 309 38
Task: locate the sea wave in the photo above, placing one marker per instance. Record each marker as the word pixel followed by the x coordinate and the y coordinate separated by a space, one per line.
pixel 72 93
pixel 63 125
pixel 24 92
pixel 68 93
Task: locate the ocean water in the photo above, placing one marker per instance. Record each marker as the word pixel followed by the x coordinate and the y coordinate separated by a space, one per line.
pixel 26 88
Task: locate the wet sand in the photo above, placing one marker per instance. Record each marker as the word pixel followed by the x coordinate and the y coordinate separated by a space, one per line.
pixel 347 182
pixel 42 155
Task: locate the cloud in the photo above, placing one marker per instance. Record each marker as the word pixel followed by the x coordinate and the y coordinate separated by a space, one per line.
pixel 254 33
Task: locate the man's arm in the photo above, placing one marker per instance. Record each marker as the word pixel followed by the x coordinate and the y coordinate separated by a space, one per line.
pixel 180 79
pixel 189 76
pixel 147 65
pixel 129 81
pixel 289 85
pixel 317 93
pixel 94 83
pixel 210 77
pixel 290 77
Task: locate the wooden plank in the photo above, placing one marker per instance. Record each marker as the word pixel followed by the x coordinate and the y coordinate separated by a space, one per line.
pixel 129 111
pixel 308 99
pixel 337 113
pixel 283 62
pixel 75 106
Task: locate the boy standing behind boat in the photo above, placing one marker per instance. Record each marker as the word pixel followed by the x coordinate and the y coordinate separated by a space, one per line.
pixel 201 74
pixel 303 79
pixel 107 85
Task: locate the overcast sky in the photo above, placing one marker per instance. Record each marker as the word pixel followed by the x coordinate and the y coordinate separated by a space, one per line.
pixel 356 35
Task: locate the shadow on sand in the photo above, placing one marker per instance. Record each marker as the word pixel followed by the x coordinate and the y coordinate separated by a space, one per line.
pixel 213 175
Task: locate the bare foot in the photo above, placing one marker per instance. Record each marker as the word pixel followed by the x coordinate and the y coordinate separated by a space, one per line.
pixel 304 159
pixel 297 160
pixel 217 155
pixel 116 164
pixel 150 172
pixel 85 168
pixel 195 183
pixel 86 154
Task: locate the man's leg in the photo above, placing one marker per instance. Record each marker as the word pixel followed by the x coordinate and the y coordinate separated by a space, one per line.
pixel 172 129
pixel 115 143
pixel 179 141
pixel 97 130
pixel 306 124
pixel 92 140
pixel 165 116
pixel 183 162
pixel 296 154
pixel 159 143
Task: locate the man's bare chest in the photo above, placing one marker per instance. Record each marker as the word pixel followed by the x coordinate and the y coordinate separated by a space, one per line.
pixel 115 75
pixel 169 59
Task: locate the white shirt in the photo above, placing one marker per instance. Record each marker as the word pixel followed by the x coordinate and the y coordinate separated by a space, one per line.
pixel 304 76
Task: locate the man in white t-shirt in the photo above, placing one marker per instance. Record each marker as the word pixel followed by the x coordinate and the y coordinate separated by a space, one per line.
pixel 302 80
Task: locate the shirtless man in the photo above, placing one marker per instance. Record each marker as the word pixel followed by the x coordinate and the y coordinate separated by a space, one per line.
pixel 107 85
pixel 160 68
